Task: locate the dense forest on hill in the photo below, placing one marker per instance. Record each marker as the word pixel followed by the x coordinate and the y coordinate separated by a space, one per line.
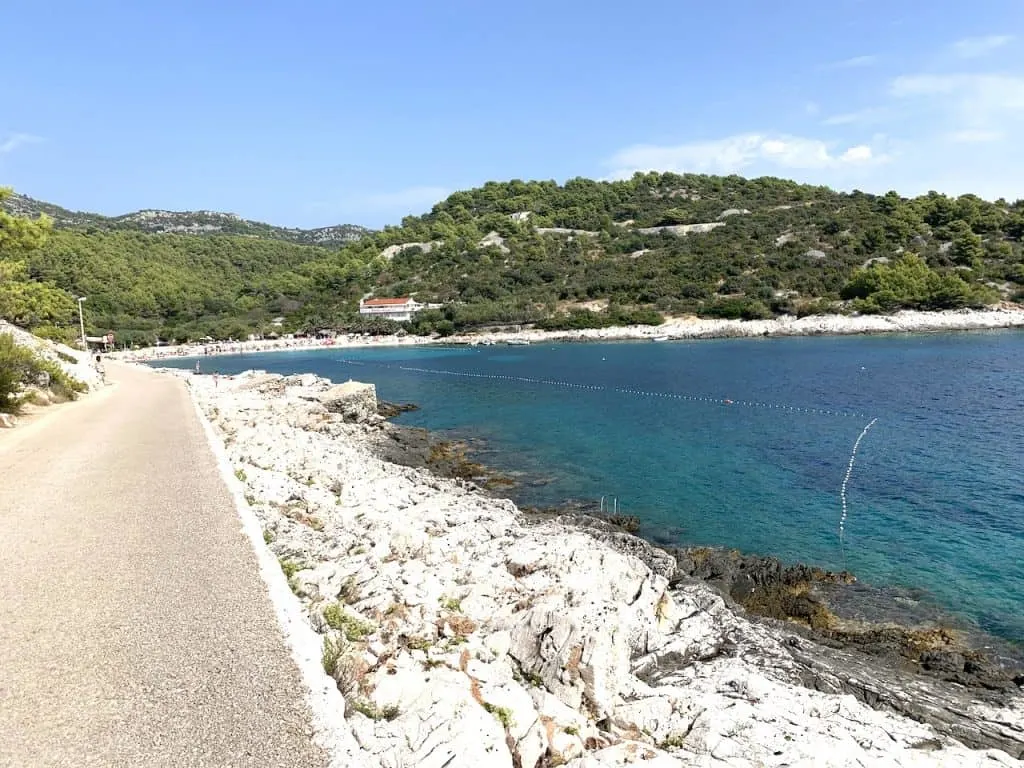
pixel 143 285
pixel 775 247
pixel 581 254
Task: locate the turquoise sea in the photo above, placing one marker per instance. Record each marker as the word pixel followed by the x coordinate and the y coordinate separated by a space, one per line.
pixel 935 497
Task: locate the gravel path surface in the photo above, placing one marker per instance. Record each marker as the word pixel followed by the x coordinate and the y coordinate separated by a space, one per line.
pixel 134 625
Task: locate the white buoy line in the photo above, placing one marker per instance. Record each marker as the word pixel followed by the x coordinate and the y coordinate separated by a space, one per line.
pixel 667 395
pixel 601 388
pixel 846 479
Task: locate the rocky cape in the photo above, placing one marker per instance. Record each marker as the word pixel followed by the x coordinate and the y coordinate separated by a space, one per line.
pixel 460 633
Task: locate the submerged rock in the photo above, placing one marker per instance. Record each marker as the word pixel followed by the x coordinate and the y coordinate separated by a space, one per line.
pixel 390 410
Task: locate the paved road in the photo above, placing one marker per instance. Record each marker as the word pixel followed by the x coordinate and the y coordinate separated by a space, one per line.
pixel 134 627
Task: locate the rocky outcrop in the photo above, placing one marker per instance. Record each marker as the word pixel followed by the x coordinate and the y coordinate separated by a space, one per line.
pixel 565 231
pixel 461 636
pixel 354 401
pixel 393 250
pixel 494 240
pixel 681 230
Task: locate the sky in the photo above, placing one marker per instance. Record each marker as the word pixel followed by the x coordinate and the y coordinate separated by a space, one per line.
pixel 311 113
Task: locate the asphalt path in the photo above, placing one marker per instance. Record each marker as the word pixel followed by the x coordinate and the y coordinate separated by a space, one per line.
pixel 135 629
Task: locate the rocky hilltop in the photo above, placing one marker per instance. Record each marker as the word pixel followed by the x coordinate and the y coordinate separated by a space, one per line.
pixel 460 633
pixel 184 222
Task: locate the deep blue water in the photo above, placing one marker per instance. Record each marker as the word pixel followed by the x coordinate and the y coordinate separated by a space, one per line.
pixel 936 497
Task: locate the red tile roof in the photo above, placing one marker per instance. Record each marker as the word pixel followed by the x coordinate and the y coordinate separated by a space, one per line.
pixel 385 302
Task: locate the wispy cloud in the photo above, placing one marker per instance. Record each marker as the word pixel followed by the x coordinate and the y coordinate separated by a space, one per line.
pixel 14 140
pixel 855 62
pixel 742 152
pixel 950 129
pixel 976 47
pixel 970 101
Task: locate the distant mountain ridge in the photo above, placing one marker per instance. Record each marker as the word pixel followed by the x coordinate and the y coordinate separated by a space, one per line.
pixel 185 222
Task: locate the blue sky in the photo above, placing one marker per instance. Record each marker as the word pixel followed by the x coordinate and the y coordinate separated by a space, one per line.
pixel 313 112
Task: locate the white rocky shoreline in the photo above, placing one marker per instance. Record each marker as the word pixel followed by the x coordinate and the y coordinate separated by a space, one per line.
pixel 676 329
pixel 461 636
pixel 907 321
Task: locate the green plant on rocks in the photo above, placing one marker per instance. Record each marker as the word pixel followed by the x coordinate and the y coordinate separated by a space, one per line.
pixel 374 712
pixel 240 474
pixel 502 714
pixel 352 627
pixel 290 568
pixel 344 663
pixel 418 644
pixel 675 740
pixel 333 650
pixel 451 604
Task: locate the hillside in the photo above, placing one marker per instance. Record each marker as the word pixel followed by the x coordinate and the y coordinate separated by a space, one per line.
pixel 582 254
pixel 184 222
pixel 709 245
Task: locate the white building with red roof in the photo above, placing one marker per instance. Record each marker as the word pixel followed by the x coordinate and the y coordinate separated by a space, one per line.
pixel 401 309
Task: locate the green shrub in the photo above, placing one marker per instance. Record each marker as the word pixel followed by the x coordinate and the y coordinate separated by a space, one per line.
pixel 63 334
pixel 334 649
pixel 910 283
pixel 352 627
pixel 290 567
pixel 374 712
pixel 20 366
pixel 451 604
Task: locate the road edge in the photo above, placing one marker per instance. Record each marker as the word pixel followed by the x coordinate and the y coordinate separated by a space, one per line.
pixel 324 700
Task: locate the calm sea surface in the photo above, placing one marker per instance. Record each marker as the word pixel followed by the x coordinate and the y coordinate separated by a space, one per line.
pixel 935 498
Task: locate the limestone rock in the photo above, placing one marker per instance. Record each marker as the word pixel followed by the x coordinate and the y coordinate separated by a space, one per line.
pixel 628 753
pixel 354 401
pixel 475 639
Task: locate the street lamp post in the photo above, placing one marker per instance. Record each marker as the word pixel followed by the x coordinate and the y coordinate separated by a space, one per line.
pixel 81 323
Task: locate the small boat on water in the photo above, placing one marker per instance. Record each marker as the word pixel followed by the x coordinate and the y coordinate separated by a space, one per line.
pixel 518 342
pixel 663 337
